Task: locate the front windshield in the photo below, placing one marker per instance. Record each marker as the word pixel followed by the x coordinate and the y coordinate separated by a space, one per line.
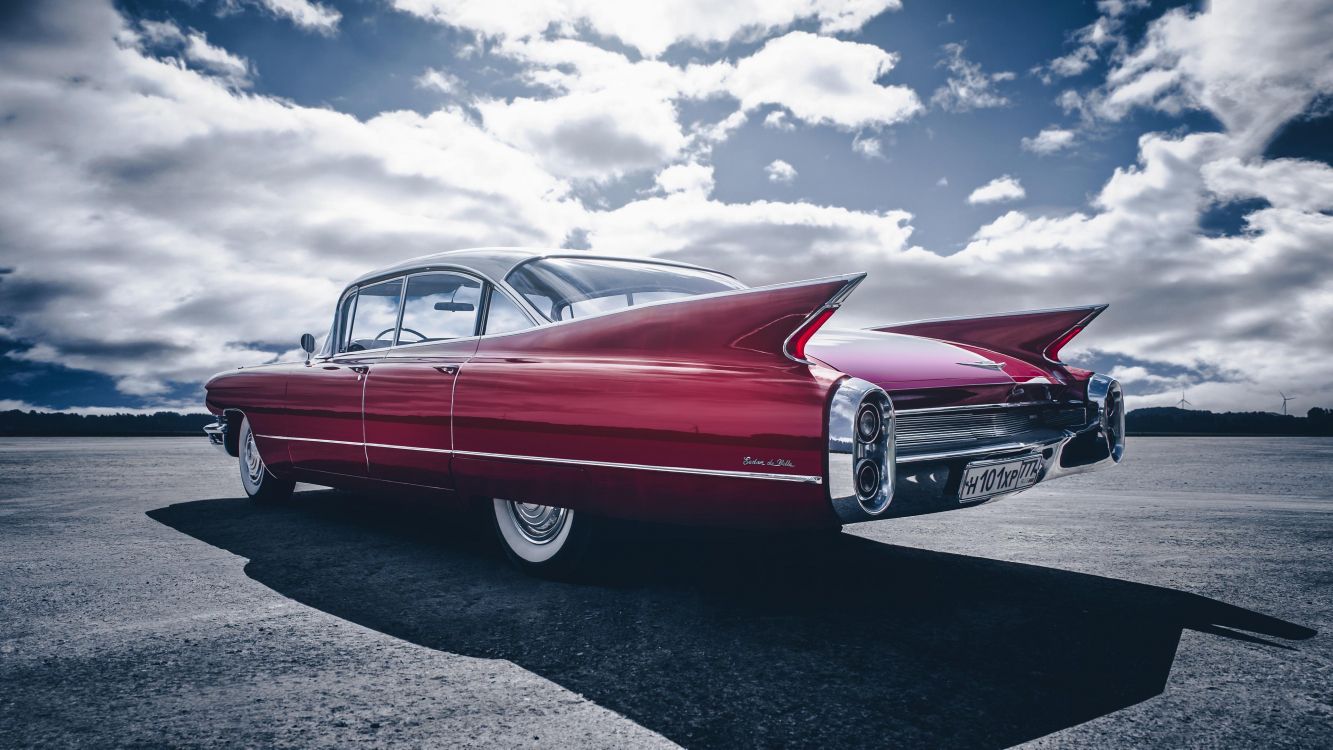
pixel 567 288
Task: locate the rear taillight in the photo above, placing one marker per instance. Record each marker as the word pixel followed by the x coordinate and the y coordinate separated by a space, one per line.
pixel 1053 350
pixel 796 344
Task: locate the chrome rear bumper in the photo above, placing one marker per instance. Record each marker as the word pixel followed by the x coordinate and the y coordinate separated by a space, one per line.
pixel 927 481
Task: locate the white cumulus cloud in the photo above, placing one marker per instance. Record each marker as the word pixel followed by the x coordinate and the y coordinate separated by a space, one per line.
pixel 1049 141
pixel 439 80
pixel 780 171
pixel 648 27
pixel 777 120
pixel 968 86
pixel 998 190
pixel 823 81
pixel 691 177
pixel 1253 65
pixel 305 14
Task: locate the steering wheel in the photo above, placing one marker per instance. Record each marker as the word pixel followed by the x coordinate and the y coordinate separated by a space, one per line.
pixel 421 336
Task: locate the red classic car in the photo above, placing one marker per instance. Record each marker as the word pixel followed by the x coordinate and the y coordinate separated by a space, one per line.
pixel 559 388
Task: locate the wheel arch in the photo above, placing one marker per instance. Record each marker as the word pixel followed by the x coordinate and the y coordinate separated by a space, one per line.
pixel 231 436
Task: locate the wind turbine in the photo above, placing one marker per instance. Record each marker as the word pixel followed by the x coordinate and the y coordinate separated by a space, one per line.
pixel 1182 403
pixel 1285 399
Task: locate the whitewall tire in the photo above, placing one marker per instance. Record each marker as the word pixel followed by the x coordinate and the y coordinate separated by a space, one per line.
pixel 541 539
pixel 258 481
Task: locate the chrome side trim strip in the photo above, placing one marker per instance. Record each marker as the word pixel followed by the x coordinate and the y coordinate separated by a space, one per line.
pixel 408 448
pixel 644 467
pixel 313 440
pixel 804 479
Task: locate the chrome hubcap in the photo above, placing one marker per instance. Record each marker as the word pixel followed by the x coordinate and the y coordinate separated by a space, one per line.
pixel 538 524
pixel 254 465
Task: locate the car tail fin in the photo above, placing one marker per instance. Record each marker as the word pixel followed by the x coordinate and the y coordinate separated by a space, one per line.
pixel 765 321
pixel 1032 335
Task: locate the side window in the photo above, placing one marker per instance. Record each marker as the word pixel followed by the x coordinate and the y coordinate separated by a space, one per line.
pixel 344 324
pixel 504 315
pixel 439 306
pixel 376 316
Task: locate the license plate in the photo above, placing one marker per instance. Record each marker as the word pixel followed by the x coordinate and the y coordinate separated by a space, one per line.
pixel 990 478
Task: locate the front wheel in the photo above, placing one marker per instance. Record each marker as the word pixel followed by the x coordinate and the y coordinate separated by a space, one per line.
pixel 542 539
pixel 259 483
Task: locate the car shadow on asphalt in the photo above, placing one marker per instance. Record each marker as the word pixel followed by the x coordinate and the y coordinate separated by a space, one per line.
pixel 722 639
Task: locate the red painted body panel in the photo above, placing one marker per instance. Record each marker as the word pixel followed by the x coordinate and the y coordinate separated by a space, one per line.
pixel 1023 335
pixel 696 384
pixel 408 402
pixel 901 363
pixel 263 393
pixel 324 404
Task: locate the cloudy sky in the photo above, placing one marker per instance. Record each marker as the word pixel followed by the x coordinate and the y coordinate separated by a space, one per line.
pixel 188 184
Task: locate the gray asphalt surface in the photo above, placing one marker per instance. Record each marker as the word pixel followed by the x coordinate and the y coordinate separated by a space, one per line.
pixel 1182 600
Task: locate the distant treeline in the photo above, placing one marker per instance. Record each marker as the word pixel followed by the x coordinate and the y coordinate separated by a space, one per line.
pixel 1168 419
pixel 36 424
pixel 1157 420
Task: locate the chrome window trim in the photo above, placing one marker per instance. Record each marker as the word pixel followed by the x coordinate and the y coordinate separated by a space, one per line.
pixel 330 348
pixel 651 261
pixel 514 297
pixel 398 319
pixel 533 316
pixel 402 307
pixel 540 321
pixel 804 479
pixel 654 261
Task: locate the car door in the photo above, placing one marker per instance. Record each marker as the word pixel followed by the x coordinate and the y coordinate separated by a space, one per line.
pixel 409 393
pixel 324 419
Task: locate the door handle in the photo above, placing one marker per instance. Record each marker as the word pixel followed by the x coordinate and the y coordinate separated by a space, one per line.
pixel 360 369
pixel 448 369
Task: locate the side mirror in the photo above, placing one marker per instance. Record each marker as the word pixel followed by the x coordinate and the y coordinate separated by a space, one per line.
pixel 307 346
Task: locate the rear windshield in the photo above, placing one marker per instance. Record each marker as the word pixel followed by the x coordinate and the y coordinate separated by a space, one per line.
pixel 567 288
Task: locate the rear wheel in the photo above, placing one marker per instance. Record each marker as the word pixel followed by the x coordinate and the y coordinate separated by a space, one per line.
pixel 259 483
pixel 542 539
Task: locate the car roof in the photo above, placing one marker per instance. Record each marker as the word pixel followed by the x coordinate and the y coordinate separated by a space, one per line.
pixel 496 262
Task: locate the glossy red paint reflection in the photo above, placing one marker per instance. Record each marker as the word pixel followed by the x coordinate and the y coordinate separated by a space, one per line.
pixel 1026 335
pixel 687 411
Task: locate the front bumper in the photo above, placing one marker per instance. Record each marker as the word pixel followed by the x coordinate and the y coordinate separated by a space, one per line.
pixel 217 434
pixel 927 482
